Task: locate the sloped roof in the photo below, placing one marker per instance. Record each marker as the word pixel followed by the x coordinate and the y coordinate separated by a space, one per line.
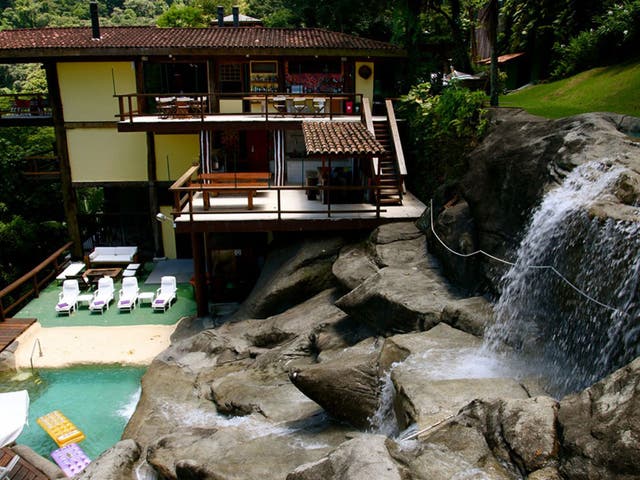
pixel 339 138
pixel 70 41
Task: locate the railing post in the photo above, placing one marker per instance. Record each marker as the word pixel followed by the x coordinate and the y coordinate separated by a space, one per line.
pixel 130 108
pixel 279 205
pixel 121 107
pixel 1 311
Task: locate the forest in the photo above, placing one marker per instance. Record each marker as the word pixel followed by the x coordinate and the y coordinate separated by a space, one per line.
pixel 558 37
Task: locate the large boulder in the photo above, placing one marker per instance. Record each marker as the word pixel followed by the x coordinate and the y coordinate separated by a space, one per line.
pixel 354 265
pixel 114 464
pixel 519 160
pixel 601 428
pixel 347 386
pixel 436 373
pixel 363 458
pixel 294 271
pixel 399 299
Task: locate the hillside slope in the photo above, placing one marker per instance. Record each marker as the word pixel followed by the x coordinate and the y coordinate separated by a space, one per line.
pixel 606 89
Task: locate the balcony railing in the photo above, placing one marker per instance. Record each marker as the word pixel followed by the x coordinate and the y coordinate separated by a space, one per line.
pixel 266 105
pixel 190 189
pixel 21 105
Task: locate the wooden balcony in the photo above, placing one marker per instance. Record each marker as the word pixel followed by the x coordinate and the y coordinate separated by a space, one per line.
pixel 25 110
pixel 194 112
pixel 281 208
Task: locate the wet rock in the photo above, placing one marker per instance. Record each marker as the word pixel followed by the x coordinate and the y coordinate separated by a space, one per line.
pixel 400 244
pixel 245 448
pixel 522 432
pixel 114 464
pixel 601 428
pixel 396 300
pixel 472 315
pixel 460 452
pixel 346 386
pixel 363 458
pixel 438 375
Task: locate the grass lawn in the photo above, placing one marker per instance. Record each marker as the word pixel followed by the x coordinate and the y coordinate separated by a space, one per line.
pixel 607 89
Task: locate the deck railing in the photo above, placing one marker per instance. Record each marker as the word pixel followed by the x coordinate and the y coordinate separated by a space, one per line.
pixel 24 105
pixel 37 278
pixel 268 105
pixel 188 186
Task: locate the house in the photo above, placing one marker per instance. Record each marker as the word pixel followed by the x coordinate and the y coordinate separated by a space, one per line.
pixel 154 117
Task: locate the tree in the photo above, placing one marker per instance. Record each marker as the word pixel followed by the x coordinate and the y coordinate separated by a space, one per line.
pixel 490 20
pixel 181 15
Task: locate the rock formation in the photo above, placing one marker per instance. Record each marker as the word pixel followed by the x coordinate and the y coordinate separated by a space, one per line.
pixel 343 344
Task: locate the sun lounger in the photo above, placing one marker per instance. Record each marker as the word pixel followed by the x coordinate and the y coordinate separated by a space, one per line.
pixel 68 298
pixel 166 294
pixel 128 294
pixel 103 296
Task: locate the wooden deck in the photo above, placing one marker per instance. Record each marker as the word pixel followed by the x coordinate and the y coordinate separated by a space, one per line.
pixel 11 329
pixel 22 470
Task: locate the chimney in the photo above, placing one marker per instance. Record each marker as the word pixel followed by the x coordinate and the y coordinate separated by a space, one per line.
pixel 220 16
pixel 236 16
pixel 95 20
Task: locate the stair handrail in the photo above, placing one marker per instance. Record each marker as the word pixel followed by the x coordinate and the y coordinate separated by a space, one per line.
pixel 395 138
pixel 33 350
pixel 368 121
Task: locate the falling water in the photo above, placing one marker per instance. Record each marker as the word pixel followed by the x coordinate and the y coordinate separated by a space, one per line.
pixel 572 339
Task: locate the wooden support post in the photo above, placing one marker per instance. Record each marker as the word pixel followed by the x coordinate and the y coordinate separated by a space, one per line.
pixel 202 302
pixel 68 193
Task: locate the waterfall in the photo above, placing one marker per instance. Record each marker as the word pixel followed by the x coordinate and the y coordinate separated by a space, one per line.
pixel 570 339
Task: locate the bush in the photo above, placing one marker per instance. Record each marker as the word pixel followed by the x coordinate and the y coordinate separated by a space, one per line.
pixel 614 40
pixel 443 129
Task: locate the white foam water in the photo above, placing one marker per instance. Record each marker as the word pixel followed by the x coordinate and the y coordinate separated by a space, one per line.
pixel 573 338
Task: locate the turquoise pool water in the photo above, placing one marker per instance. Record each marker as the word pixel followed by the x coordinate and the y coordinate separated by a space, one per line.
pixel 99 400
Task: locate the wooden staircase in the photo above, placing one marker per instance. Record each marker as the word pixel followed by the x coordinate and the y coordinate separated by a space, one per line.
pixel 386 174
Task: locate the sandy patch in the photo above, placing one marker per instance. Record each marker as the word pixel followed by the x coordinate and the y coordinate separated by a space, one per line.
pixel 64 346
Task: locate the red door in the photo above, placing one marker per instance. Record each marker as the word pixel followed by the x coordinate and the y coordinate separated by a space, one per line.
pixel 258 150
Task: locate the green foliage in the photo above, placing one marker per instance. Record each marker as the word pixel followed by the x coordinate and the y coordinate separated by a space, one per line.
pixel 443 128
pixel 181 15
pixel 616 37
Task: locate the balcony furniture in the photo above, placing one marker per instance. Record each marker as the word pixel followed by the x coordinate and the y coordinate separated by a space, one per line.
pixel 166 294
pixel 72 270
pixel 85 299
pixel 146 297
pixel 300 105
pixel 246 183
pixel 128 294
pixel 93 275
pixel 68 298
pixel 166 106
pixel 131 270
pixel 103 296
pixel 319 104
pixel 113 255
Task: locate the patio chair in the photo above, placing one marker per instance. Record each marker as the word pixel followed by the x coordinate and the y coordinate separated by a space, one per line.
pixel 6 470
pixel 128 294
pixel 68 297
pixel 166 294
pixel 103 296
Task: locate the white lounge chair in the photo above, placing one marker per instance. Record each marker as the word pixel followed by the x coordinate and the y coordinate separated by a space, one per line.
pixel 128 294
pixel 103 296
pixel 166 294
pixel 68 297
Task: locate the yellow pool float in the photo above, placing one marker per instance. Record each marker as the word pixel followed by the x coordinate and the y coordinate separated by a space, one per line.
pixel 60 428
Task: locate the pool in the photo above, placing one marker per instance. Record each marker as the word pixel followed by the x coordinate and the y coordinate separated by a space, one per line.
pixel 99 400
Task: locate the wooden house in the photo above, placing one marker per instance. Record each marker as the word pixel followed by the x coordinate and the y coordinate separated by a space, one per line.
pixel 222 130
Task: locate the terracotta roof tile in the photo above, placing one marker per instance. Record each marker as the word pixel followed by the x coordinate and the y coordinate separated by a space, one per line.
pixel 206 39
pixel 339 138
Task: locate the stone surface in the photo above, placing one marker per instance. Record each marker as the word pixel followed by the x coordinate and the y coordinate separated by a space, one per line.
pixel 363 458
pixel 438 375
pixel 114 464
pixel 347 386
pixel 396 299
pixel 295 271
pixel 601 428
pixel 353 266
pixel 472 315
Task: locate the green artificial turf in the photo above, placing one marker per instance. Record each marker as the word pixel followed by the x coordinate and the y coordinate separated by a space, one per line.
pixel 607 89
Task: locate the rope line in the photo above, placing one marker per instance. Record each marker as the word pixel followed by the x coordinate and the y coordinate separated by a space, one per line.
pixel 537 267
